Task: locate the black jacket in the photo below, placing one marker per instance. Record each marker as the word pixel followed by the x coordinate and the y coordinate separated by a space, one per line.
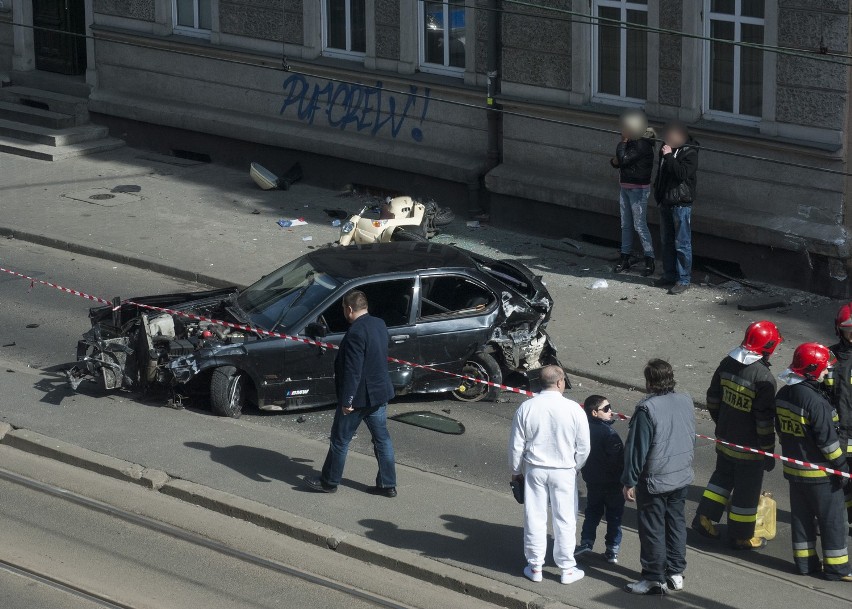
pixel 635 161
pixel 841 392
pixel 361 366
pixel 741 401
pixel 806 424
pixel 606 460
pixel 678 167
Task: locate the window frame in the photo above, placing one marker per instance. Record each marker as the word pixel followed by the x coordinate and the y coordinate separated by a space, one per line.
pixel 433 68
pixel 185 30
pixel 346 53
pixel 456 314
pixel 623 6
pixel 738 20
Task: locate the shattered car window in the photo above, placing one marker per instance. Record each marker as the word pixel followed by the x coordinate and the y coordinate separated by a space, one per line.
pixel 283 297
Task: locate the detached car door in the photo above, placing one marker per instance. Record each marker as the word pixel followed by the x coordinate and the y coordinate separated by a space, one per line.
pixel 456 316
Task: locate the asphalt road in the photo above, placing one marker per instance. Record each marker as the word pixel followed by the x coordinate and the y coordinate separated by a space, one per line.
pixel 57 552
pixel 477 457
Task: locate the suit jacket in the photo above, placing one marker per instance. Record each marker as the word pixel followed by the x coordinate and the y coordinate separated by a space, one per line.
pixel 361 366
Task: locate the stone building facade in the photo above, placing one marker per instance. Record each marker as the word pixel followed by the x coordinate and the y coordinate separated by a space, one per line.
pixel 396 90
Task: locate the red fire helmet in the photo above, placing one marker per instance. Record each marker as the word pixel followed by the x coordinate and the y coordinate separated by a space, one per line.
pixel 843 319
pixel 810 359
pixel 762 337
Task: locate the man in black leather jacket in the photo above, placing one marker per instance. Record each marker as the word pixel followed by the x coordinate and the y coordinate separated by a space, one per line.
pixel 674 190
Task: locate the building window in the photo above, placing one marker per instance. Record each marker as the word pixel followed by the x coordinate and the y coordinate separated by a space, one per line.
pixel 733 74
pixel 442 37
pixel 620 52
pixel 193 17
pixel 344 28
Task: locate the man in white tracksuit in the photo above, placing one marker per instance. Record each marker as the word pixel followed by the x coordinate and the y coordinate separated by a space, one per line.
pixel 548 444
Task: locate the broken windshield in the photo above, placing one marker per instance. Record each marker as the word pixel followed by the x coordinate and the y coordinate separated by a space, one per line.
pixel 283 297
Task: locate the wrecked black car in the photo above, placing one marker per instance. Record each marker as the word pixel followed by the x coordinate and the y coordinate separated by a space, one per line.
pixel 444 307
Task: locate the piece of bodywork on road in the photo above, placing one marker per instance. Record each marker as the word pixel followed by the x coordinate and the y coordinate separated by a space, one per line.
pixel 446 310
pixel 431 421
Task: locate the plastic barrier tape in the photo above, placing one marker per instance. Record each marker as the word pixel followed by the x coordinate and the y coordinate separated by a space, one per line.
pixel 325 345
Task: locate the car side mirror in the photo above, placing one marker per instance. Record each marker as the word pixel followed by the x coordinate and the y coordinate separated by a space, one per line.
pixel 316 330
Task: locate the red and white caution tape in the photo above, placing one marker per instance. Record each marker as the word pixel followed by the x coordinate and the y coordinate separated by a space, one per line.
pixel 310 341
pixel 782 458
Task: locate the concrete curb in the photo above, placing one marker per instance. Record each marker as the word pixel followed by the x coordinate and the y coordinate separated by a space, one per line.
pixel 37 444
pixel 135 260
pixel 699 402
pixel 279 521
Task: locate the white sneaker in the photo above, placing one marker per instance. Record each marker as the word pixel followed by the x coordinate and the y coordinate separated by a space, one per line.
pixel 675 582
pixel 643 586
pixel 532 575
pixel 569 576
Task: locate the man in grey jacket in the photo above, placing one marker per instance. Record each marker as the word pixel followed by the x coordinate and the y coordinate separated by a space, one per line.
pixel 658 470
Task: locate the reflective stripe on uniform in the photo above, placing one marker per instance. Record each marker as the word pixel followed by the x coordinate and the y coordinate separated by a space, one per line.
pixel 835 557
pixel 832 451
pixel 742 517
pixel 708 494
pixel 737 454
pixel 804 473
pixel 804 553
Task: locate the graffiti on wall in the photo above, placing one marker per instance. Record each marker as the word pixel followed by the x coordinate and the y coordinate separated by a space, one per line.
pixel 360 107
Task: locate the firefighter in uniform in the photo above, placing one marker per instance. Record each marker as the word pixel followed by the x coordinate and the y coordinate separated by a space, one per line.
pixel 840 386
pixel 806 424
pixel 741 400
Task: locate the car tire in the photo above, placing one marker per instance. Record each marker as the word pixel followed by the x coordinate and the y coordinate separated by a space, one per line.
pixel 483 366
pixel 407 235
pixel 228 392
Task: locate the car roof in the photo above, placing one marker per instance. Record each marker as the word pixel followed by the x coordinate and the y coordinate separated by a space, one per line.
pixel 354 261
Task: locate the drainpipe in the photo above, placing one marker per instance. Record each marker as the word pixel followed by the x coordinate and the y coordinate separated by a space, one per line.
pixel 493 62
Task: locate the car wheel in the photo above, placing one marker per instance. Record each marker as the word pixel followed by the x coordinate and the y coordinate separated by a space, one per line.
pixel 228 392
pixel 481 366
pixel 407 235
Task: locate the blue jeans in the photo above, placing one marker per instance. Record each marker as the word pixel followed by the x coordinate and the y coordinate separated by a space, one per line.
pixel 633 203
pixel 676 241
pixel 342 431
pixel 599 500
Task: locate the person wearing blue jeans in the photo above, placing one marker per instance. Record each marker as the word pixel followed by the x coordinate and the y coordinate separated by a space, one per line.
pixel 602 474
pixel 674 191
pixel 342 431
pixel 634 159
pixel 363 390
pixel 676 243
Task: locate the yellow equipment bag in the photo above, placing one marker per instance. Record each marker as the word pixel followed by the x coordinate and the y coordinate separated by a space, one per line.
pixel 765 526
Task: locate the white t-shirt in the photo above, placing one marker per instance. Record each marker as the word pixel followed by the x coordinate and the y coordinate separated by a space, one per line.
pixel 549 430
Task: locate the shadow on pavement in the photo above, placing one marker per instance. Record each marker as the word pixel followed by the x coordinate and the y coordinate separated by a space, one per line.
pixel 476 542
pixel 258 464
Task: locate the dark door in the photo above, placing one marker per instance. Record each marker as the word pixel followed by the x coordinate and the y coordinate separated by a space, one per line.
pixel 57 49
pixel 456 317
pixel 309 370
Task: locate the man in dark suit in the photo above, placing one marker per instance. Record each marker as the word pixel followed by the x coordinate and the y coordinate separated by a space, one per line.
pixel 363 390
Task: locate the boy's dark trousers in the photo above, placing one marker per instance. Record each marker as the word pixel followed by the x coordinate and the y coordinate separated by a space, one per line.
pixel 602 500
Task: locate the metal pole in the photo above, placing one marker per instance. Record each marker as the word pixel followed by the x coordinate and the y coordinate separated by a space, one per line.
pixel 493 63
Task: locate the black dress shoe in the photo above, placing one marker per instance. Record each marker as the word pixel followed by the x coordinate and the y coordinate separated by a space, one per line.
pixel 384 492
pixel 316 484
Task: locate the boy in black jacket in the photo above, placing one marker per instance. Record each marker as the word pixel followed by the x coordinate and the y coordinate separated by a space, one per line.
pixel 602 474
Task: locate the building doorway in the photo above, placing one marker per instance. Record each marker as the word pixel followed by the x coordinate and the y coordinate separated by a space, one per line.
pixel 57 49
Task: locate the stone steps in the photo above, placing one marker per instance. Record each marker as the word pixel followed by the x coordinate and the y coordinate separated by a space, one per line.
pixel 44 152
pixel 48 100
pixel 35 116
pixel 52 137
